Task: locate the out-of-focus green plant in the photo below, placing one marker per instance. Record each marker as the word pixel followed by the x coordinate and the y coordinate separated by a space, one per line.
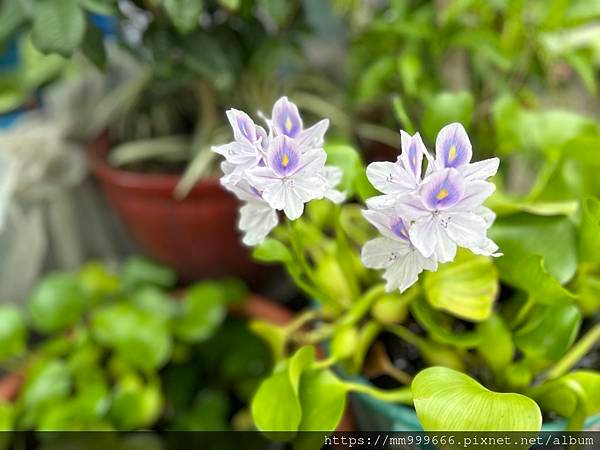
pixel 119 352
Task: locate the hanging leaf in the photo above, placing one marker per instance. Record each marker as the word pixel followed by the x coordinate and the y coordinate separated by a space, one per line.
pixel 93 46
pixel 58 26
pixel 447 400
pixel 185 14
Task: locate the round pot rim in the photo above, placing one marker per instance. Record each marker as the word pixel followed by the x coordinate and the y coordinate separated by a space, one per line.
pixel 97 156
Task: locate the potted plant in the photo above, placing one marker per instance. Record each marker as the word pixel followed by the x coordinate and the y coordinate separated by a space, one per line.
pixel 462 323
pixel 99 349
pixel 190 60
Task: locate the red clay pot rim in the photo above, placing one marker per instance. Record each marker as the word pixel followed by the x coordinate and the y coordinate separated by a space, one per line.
pixel 97 156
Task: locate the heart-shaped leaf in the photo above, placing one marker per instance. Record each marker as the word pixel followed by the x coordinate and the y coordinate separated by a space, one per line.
pixel 465 288
pixel 447 400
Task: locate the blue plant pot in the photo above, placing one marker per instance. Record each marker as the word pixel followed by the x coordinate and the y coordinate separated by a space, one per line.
pixel 376 415
pixel 9 58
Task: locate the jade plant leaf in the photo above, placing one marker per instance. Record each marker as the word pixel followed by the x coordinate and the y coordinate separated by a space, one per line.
pixel 550 331
pixel 522 235
pixel 589 234
pixel 447 400
pixel 276 405
pixel 56 303
pixel 466 288
pixel 203 311
pixel 13 333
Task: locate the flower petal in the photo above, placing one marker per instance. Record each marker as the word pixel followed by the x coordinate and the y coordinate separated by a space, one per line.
pixel 294 206
pixel 243 126
pixel 442 189
pixel 390 178
pixel 413 150
pixel 239 153
pixel 423 235
pixel 256 221
pixel 452 146
pixel 476 192
pixel 286 118
pixel 380 221
pixel 403 273
pixel 480 170
pixel 380 253
pixel 313 137
pixel 466 229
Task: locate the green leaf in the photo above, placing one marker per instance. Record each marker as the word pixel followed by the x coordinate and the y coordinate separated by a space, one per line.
pixel 521 235
pixel 364 188
pixel 58 26
pixel 56 303
pixel 7 419
pixel 139 337
pixel 47 383
pixel 135 404
pixel 558 396
pixel 12 14
pixel 589 235
pixel 97 281
pixel 496 346
pixel 203 312
pixel 272 250
pixel 445 108
pixel 276 405
pixel 185 14
pixel 139 271
pixel 587 287
pixel 13 334
pixel 323 401
pixel 275 336
pixel 534 338
pixel 277 10
pixel 93 46
pixel 343 342
pixel 348 160
pixel 465 288
pixel 232 5
pixel 447 400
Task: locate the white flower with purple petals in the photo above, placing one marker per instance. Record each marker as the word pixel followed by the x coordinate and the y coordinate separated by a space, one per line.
pixel 441 210
pixel 394 252
pixel 276 171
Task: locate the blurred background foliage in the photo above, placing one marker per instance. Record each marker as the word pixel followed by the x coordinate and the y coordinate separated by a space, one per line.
pixel 157 76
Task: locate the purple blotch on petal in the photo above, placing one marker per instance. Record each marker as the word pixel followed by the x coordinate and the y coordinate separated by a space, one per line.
pixel 284 157
pixel 443 189
pixel 286 118
pixel 243 126
pixel 398 227
pixel 453 148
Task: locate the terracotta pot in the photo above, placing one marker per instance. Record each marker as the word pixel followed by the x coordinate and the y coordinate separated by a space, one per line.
pixel 195 236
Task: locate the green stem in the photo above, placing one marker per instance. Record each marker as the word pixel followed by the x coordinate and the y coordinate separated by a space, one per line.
pixel 406 335
pixel 362 305
pixel 578 351
pixel 302 320
pixel 401 395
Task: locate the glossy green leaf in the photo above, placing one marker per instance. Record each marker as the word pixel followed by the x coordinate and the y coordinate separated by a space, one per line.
pixel 277 10
pixel 98 282
pixel 203 311
pixel 587 288
pixel 447 400
pixel 589 234
pixel 275 336
pixel 140 338
pixel 136 404
pixel 7 418
pixel 343 342
pixel 392 308
pixel 550 331
pixel 272 250
pixel 364 188
pixel 93 46
pixel 522 235
pixel 12 15
pixel 58 26
pixel 13 334
pixel 465 288
pixel 185 14
pixel 155 301
pixel 496 345
pixel 323 400
pixel 276 405
pixel 56 303
pixel 558 396
pixel 445 108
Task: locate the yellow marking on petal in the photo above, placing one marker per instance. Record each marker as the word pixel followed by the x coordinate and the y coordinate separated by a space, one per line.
pixel 452 153
pixel 414 160
pixel 285 160
pixel 288 124
pixel 442 194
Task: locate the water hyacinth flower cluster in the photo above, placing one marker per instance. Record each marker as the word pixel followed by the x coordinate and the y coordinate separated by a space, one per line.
pixel 278 169
pixel 424 215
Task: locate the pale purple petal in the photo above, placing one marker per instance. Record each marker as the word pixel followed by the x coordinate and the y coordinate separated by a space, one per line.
pixel 480 170
pixel 390 178
pixel 487 214
pixel 403 273
pixel 312 162
pixel 466 229
pixel 413 150
pixel 411 207
pixel 262 138
pixel 445 247
pixel 381 202
pixel 452 146
pixel 380 253
pixel 294 205
pixel 286 118
pixel 256 221
pixel 313 137
pixel 243 126
pixel 284 156
pixel 486 248
pixel 263 178
pixel 443 189
pixel 423 235
pixel 308 187
pixel 276 194
pixel 380 221
pixel 476 192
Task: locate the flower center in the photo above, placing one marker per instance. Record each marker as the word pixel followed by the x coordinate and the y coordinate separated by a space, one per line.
pixel 288 124
pixel 443 193
pixel 285 159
